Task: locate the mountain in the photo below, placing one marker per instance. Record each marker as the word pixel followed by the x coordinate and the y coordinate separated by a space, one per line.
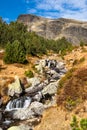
pixel 74 31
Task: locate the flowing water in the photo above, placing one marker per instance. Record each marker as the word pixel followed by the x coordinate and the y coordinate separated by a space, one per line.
pixel 22 102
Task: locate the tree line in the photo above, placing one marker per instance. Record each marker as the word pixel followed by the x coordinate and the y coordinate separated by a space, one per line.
pixel 18 43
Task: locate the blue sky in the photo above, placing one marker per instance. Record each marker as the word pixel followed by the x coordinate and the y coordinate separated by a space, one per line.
pixel 75 9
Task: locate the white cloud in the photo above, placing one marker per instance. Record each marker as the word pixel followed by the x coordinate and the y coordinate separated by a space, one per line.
pixel 31 11
pixel 6 20
pixel 75 9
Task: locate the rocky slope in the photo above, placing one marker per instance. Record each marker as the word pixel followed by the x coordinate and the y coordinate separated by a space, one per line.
pixel 74 31
pixel 29 97
pixel 30 103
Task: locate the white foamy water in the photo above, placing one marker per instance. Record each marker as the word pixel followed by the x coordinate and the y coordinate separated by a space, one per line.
pixel 23 102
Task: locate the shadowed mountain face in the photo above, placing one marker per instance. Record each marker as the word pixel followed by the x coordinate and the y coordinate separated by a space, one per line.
pixel 74 31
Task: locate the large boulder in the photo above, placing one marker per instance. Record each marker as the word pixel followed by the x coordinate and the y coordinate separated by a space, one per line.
pixel 37 97
pixel 40 66
pixel 14 128
pixel 60 65
pixel 15 87
pixel 37 108
pixel 33 81
pixel 50 89
pixel 21 127
pixel 23 113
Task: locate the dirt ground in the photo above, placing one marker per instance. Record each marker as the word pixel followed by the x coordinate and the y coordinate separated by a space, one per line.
pixel 56 118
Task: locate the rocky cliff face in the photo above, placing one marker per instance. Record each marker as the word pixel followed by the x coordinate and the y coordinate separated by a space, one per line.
pixel 74 31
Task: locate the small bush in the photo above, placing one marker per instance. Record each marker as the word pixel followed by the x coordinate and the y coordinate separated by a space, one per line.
pixel 67 76
pixel 75 62
pixel 82 59
pixel 82 43
pixel 74 124
pixel 29 74
pixel 78 61
pixel 83 124
pixel 70 103
pixel 78 125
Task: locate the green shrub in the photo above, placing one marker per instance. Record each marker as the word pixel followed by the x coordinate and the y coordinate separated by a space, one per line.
pixel 82 60
pixel 83 124
pixel 82 43
pixel 67 76
pixel 29 74
pixel 78 125
pixel 70 103
pixel 75 62
pixel 78 61
pixel 74 124
pixel 15 53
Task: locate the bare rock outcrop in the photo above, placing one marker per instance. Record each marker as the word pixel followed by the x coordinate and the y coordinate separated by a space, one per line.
pixel 74 31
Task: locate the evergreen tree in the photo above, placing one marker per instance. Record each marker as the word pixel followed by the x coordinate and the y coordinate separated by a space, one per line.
pixel 15 53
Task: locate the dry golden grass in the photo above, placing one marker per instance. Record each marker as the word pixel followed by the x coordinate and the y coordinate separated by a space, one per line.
pixel 74 90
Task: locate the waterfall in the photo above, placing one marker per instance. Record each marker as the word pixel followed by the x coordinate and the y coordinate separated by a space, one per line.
pixel 22 102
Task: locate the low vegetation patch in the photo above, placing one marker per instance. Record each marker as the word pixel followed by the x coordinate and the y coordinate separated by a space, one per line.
pixel 78 125
pixel 74 89
pixel 66 77
pixel 76 61
pixel 29 74
pixel 82 60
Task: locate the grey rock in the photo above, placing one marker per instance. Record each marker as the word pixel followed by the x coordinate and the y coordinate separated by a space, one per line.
pixel 20 127
pixel 56 76
pixel 50 88
pixel 23 113
pixel 14 128
pixel 63 71
pixel 60 65
pixel 40 66
pixel 15 87
pixel 74 31
pixel 0 116
pixel 25 127
pixel 51 72
pixel 34 81
pixel 37 108
pixel 38 96
pixel 51 103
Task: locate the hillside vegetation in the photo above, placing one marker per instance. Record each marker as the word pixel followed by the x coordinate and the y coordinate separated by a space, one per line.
pixel 74 89
pixel 19 43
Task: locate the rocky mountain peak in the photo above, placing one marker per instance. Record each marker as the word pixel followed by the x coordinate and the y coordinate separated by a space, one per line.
pixel 74 31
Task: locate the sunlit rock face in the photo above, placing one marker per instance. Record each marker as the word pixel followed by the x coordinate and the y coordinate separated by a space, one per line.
pixel 74 31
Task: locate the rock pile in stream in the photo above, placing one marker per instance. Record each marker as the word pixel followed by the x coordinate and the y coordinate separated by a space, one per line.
pixel 28 104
